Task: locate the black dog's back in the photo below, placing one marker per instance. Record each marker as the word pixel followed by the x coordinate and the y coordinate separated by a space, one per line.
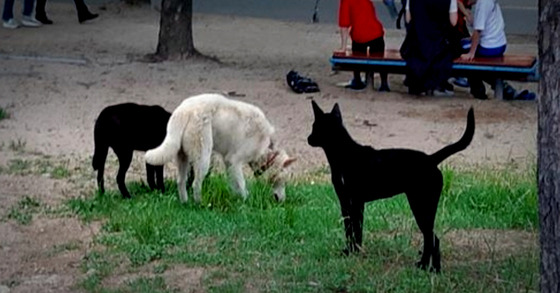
pixel 125 128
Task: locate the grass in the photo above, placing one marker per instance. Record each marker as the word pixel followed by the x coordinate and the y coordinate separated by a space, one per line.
pixel 261 245
pixel 3 114
pixel 38 166
pixel 23 211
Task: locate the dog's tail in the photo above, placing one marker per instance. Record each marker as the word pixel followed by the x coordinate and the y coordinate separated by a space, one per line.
pixel 462 144
pixel 171 145
pixel 101 147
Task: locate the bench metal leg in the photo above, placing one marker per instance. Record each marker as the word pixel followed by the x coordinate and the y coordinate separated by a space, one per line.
pixel 499 89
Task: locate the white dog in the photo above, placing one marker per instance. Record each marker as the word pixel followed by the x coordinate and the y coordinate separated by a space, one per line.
pixel 238 131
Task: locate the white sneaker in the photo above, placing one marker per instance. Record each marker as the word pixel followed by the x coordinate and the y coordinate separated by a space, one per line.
pixel 11 24
pixel 30 21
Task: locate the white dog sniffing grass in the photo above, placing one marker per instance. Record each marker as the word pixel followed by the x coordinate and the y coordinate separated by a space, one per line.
pixel 238 131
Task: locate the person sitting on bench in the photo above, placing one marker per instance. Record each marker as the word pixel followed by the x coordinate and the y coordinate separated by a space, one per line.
pixel 358 20
pixel 426 48
pixel 489 40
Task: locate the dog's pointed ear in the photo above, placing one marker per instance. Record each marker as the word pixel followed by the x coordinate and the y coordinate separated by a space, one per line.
pixel 288 162
pixel 316 110
pixel 336 111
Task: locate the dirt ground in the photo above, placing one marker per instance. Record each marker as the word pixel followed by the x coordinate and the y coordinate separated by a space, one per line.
pixel 54 80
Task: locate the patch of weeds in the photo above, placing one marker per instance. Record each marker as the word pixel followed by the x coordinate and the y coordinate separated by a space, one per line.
pixel 96 265
pixel 161 268
pixel 19 166
pixel 4 114
pixel 148 285
pixel 18 145
pixel 60 172
pixel 69 246
pixel 23 211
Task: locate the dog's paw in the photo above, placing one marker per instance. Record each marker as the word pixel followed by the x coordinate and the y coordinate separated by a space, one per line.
pixel 345 252
pixel 435 270
pixel 422 265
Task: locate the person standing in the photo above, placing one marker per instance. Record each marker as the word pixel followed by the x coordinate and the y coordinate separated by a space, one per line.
pixel 358 21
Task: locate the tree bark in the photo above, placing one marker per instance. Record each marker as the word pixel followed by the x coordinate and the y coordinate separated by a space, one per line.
pixel 175 31
pixel 548 137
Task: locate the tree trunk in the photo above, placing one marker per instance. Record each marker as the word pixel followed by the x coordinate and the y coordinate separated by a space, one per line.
pixel 549 144
pixel 175 31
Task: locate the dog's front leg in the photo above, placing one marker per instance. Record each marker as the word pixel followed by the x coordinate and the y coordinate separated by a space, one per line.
pixel 357 217
pixel 345 209
pixel 236 172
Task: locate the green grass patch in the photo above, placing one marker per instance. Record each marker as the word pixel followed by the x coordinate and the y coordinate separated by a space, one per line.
pixel 23 211
pixel 3 114
pixel 295 246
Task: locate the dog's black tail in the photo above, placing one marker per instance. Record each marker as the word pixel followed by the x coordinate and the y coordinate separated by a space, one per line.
pixel 462 144
pixel 100 145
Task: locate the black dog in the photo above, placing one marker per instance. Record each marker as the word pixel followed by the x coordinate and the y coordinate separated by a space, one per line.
pixel 361 174
pixel 125 128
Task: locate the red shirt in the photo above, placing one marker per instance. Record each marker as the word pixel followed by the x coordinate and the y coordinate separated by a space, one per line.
pixel 360 17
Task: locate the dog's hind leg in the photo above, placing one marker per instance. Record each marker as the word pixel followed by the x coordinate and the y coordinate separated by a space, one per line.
pixel 125 157
pixel 154 176
pixel 159 178
pixel 424 207
pixel 182 175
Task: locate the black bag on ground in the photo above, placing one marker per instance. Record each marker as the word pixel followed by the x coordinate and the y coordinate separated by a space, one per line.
pixel 301 84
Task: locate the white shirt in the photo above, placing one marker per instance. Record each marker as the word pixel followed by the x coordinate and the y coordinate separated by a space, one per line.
pixel 489 21
pixel 452 6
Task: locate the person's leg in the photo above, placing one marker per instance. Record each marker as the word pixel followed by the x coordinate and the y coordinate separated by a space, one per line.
pixel 41 13
pixel 28 7
pixel 28 20
pixel 8 12
pixel 83 11
pixel 378 46
pixel 357 83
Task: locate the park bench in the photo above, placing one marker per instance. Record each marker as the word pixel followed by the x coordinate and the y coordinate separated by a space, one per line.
pixel 508 67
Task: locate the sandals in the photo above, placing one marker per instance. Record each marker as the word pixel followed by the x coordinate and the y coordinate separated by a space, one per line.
pixel 301 84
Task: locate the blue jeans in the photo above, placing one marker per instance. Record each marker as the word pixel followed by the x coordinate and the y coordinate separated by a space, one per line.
pixel 477 87
pixel 482 51
pixel 9 9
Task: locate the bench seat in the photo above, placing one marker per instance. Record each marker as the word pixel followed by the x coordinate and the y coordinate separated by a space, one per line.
pixel 508 67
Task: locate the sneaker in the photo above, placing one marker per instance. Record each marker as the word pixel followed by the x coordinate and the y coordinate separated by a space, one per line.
pixel 356 85
pixel 461 81
pixel 30 21
pixel 440 92
pixel 11 24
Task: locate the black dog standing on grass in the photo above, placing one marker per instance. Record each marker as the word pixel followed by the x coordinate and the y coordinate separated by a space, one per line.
pixel 126 128
pixel 361 174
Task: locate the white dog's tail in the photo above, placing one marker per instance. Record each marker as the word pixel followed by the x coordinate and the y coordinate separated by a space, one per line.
pixel 171 145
